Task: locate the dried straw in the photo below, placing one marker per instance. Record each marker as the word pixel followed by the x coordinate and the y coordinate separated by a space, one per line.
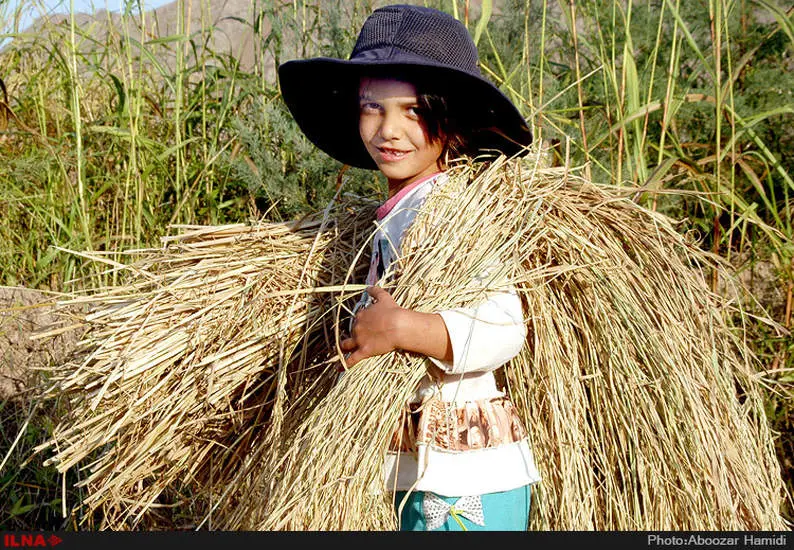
pixel 177 372
pixel 640 397
pixel 215 368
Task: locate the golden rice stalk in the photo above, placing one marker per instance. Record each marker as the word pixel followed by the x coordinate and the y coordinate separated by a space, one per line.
pixel 176 373
pixel 642 399
pixel 639 395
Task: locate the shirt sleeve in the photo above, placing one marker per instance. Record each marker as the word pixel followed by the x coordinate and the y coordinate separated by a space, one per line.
pixel 486 336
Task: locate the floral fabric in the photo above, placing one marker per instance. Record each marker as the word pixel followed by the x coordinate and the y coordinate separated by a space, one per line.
pixel 445 425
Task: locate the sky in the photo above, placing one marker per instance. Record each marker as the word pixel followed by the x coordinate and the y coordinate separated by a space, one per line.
pixel 35 8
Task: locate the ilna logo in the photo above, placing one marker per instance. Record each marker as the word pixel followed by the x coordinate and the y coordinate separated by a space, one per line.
pixel 30 540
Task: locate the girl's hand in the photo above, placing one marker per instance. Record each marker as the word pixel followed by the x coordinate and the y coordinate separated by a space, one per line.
pixel 376 328
pixel 384 326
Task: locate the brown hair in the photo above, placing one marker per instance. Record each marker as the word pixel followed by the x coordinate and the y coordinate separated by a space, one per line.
pixel 440 123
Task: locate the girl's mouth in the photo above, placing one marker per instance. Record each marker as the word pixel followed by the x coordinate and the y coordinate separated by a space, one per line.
pixel 391 155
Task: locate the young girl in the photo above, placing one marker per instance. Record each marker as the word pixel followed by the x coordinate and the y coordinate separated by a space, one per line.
pixel 409 99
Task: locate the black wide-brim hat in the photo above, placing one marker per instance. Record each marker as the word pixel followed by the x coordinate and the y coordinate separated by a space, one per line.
pixel 414 43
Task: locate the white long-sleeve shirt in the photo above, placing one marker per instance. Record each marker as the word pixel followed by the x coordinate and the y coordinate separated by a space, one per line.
pixel 483 337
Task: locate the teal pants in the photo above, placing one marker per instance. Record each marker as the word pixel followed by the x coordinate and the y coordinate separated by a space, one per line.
pixel 506 511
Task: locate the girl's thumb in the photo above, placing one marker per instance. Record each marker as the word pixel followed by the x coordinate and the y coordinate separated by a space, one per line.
pixel 377 293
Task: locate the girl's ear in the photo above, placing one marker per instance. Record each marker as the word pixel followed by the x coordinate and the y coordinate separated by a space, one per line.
pixel 443 160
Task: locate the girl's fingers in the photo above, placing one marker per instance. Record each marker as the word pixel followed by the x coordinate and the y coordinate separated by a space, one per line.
pixel 347 344
pixel 352 359
pixel 353 354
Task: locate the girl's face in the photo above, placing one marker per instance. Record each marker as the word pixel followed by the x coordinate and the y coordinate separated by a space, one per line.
pixel 393 132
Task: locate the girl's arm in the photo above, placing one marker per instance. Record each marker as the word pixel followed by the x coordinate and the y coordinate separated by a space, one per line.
pixel 484 336
pixel 479 338
pixel 384 326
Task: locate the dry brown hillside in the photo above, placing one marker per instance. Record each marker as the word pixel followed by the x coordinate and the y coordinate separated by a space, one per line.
pixel 225 26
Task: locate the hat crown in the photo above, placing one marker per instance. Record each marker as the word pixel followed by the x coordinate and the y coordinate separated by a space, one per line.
pixel 392 32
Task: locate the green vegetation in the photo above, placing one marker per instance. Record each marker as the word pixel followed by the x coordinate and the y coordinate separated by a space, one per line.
pixel 108 137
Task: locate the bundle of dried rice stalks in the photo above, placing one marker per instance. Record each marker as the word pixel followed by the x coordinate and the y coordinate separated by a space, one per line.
pixel 639 396
pixel 176 374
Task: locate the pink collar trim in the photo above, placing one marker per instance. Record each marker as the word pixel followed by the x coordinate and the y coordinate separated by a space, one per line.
pixel 388 206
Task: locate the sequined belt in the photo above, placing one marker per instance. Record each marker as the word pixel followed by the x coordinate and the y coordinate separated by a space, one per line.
pixel 459 427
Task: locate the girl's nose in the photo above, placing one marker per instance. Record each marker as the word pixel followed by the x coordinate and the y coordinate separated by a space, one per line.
pixel 390 126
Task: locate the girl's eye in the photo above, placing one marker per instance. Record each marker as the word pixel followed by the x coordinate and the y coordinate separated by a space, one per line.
pixel 370 107
pixel 413 112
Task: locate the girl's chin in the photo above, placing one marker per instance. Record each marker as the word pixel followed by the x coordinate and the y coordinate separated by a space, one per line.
pixel 392 167
pixel 398 175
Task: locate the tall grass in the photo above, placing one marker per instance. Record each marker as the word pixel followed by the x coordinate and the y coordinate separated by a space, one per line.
pixel 121 133
pixel 679 98
pixel 116 133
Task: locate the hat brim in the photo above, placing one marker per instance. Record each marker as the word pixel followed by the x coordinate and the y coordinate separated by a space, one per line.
pixel 322 95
